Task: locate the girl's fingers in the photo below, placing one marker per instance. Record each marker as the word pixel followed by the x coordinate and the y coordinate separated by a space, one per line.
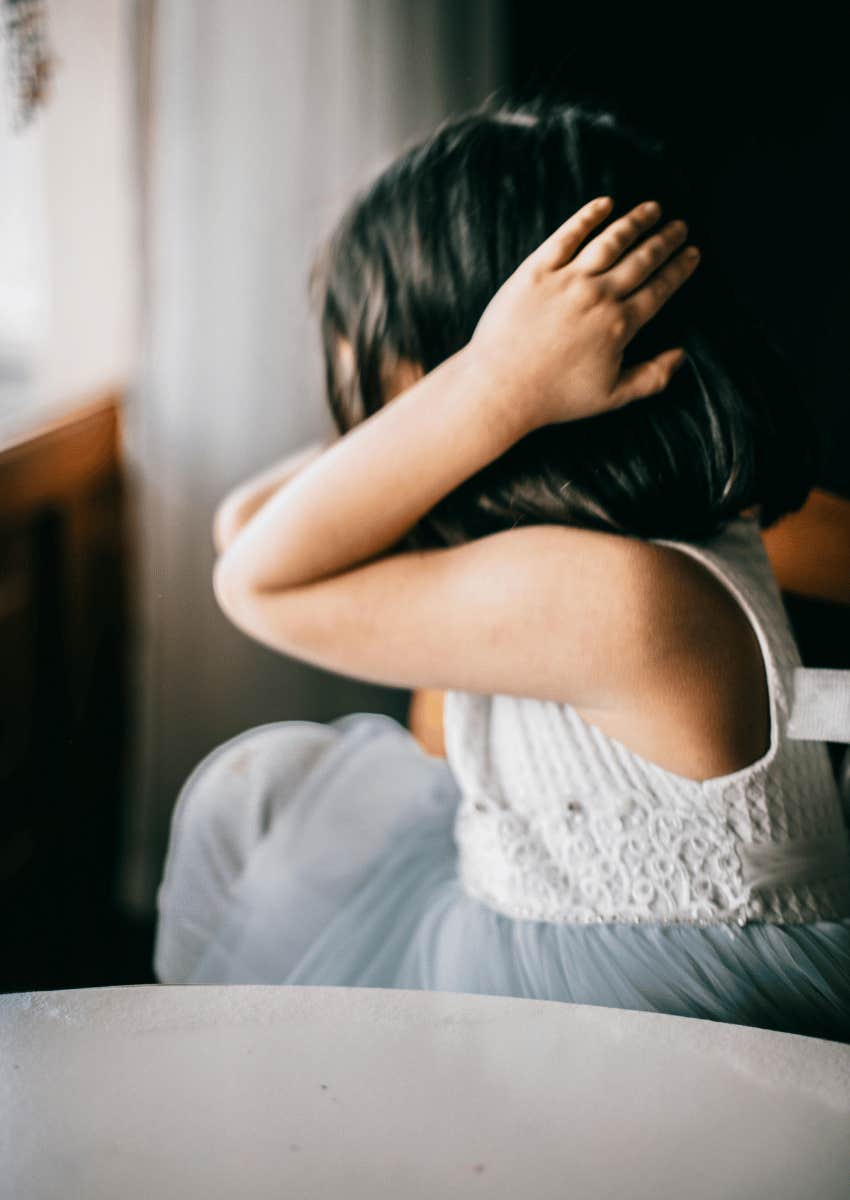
pixel 647 379
pixel 645 303
pixel 633 270
pixel 560 246
pixel 608 246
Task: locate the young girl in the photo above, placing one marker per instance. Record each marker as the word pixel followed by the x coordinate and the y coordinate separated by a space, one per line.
pixel 559 439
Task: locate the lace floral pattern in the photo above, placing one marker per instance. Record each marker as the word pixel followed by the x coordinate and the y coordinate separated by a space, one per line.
pixel 648 865
pixel 560 822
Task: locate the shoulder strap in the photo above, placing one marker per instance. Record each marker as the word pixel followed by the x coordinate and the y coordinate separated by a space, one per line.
pixel 819 703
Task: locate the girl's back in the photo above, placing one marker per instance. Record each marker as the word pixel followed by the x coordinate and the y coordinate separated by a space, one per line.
pixel 563 821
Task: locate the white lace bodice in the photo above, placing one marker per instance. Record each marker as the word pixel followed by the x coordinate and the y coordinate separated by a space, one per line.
pixel 559 821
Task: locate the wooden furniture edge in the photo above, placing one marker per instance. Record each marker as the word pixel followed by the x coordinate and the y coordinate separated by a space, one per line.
pixel 54 456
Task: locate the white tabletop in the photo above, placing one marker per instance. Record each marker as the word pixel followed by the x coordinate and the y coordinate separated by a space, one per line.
pixel 303 1092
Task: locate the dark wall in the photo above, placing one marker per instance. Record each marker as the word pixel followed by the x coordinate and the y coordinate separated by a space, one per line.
pixel 759 116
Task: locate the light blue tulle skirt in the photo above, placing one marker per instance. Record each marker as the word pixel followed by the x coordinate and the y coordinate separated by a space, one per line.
pixel 311 853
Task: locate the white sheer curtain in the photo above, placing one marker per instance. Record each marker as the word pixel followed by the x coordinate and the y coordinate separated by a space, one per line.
pixel 264 116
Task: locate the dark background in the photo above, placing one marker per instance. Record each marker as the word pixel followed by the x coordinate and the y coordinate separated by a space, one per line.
pixel 758 117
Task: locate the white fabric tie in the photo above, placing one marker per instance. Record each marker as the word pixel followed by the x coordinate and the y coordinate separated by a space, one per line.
pixel 819 704
pixel 803 860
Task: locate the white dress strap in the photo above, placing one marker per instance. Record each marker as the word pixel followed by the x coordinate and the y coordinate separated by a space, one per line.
pixel 818 704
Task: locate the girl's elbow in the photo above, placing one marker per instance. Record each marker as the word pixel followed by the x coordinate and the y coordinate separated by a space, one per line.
pixel 226 524
pixel 229 589
pixel 269 618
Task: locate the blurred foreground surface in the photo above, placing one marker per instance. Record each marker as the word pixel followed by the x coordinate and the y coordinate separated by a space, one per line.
pixel 366 1092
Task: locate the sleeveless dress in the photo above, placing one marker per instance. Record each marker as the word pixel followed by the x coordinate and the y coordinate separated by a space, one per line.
pixel 542 858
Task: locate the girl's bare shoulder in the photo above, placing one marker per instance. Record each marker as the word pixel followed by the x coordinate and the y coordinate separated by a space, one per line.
pixel 703 707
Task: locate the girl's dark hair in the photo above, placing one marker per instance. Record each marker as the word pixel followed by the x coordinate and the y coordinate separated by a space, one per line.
pixel 416 257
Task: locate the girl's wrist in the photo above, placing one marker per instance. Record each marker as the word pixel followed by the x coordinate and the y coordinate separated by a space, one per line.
pixel 506 404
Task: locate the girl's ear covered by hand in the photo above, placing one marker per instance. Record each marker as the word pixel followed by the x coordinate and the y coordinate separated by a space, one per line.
pixel 556 330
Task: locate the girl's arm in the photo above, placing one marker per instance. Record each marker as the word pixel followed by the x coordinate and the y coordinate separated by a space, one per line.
pixel 239 506
pixel 362 494
pixel 547 349
pixel 305 574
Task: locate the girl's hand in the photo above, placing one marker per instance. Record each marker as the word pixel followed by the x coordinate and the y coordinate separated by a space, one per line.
pixel 555 332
